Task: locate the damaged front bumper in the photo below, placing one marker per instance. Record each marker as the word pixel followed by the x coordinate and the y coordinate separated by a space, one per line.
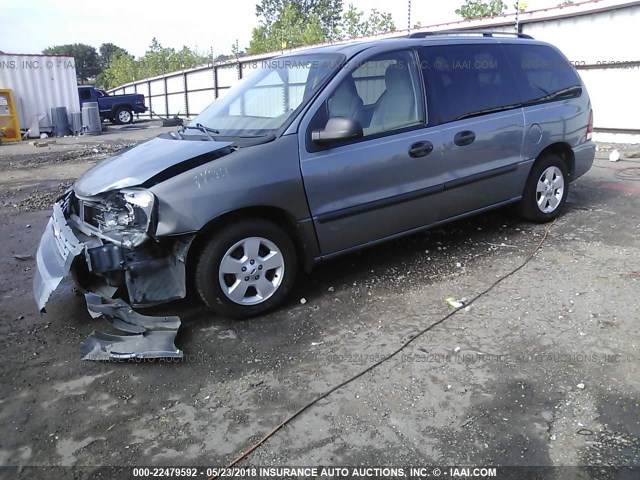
pixel 148 274
pixel 58 248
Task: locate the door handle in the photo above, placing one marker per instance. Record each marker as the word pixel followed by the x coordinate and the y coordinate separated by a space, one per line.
pixel 420 149
pixel 465 137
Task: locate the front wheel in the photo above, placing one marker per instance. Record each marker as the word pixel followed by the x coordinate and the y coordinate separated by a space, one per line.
pixel 246 269
pixel 546 190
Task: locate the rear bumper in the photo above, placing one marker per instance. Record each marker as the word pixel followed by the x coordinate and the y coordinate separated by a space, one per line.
pixel 584 155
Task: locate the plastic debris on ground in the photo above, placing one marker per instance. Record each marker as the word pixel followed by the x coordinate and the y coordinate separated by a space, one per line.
pixel 153 337
pixel 454 302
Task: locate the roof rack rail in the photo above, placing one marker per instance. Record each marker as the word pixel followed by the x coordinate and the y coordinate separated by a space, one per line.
pixel 484 33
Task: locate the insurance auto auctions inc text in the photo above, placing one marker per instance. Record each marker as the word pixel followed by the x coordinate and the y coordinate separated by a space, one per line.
pixel 375 472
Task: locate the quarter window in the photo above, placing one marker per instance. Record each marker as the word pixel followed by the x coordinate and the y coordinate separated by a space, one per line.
pixel 541 71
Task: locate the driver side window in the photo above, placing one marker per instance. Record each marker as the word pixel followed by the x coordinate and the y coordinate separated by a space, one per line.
pixel 383 94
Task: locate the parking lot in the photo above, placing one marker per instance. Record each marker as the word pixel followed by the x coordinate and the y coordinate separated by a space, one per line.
pixel 541 370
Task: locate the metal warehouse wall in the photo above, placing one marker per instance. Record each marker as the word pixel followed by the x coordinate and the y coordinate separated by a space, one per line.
pixel 594 35
pixel 605 48
pixel 39 83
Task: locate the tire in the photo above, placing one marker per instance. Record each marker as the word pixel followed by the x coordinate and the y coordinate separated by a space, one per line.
pixel 268 257
pixel 542 202
pixel 123 116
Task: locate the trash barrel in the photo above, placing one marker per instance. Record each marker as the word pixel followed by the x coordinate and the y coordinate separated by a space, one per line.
pixel 76 123
pixel 60 121
pixel 91 123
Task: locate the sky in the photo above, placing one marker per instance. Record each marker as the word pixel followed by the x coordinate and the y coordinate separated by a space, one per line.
pixel 30 26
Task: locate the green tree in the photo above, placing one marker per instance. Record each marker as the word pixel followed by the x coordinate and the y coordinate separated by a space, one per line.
pixel 123 68
pixel 225 57
pixel 107 51
pixel 379 22
pixel 187 58
pixel 263 40
pixel 481 8
pixel 355 25
pixel 291 29
pixel 236 52
pixel 86 59
pixel 306 22
pixel 328 12
pixel 352 22
pixel 157 60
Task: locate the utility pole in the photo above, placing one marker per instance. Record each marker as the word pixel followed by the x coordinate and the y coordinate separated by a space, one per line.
pixel 214 75
pixel 236 48
pixel 282 44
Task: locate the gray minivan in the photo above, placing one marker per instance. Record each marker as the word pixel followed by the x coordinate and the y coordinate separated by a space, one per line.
pixel 318 153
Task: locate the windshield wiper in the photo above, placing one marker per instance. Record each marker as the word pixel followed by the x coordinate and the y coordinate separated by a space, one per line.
pixel 206 130
pixel 252 136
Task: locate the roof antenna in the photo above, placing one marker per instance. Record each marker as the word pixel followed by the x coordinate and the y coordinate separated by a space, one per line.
pixel 409 16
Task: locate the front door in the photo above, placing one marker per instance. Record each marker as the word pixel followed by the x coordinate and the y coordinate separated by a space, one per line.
pixel 386 182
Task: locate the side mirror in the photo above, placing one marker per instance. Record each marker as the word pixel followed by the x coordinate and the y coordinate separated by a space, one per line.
pixel 337 129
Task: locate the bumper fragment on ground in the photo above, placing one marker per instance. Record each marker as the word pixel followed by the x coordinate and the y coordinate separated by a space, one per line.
pixel 154 337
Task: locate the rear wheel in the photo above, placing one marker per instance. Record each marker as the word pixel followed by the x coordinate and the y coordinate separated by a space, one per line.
pixel 546 190
pixel 123 116
pixel 246 269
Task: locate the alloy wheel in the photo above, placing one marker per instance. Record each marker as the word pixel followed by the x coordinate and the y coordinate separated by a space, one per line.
pixel 251 271
pixel 550 189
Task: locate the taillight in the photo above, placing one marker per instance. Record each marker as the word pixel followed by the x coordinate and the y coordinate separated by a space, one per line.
pixel 590 125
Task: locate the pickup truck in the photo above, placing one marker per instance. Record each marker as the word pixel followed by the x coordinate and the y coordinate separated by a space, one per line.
pixel 116 108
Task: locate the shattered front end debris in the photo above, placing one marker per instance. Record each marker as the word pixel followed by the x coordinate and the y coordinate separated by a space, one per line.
pixel 104 243
pixel 153 336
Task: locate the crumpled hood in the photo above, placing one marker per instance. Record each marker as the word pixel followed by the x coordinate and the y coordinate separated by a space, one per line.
pixel 147 162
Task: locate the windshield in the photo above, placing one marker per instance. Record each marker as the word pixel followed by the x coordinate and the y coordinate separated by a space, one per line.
pixel 265 99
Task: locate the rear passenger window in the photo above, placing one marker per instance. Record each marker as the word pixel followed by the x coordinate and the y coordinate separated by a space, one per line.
pixel 466 80
pixel 541 71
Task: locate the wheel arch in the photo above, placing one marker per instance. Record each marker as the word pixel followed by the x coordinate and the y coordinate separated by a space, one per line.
pixel 305 247
pixel 564 151
pixel 118 106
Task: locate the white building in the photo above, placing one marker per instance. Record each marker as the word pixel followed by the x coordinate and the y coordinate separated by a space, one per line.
pixel 39 83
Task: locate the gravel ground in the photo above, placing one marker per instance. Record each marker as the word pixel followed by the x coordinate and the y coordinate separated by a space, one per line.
pixel 543 370
pixel 80 153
